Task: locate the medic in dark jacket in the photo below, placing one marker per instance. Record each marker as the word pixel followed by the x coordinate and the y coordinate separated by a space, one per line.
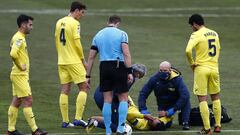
pixel 170 91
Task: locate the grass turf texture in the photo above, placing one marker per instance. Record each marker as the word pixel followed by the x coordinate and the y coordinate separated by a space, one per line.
pixel 152 39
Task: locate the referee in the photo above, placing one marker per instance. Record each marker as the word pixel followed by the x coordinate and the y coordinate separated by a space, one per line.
pixel 115 69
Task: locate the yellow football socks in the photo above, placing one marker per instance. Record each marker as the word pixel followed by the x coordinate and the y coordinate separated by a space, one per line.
pixel 80 104
pixel 28 113
pixel 12 118
pixel 217 112
pixel 205 114
pixel 63 102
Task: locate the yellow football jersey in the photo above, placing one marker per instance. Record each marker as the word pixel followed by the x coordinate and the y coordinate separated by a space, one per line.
pixel 133 111
pixel 19 53
pixel 67 39
pixel 207 47
pixel 133 115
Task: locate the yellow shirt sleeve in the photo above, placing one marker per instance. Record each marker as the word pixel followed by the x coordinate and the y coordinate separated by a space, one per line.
pixel 193 41
pixel 130 101
pixel 16 44
pixel 79 48
pixel 76 30
pixel 76 36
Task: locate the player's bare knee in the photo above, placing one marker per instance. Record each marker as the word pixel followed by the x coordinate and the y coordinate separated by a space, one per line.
pixel 82 86
pixel 65 89
pixel 65 92
pixel 84 90
pixel 215 96
pixel 16 102
pixel 107 100
pixel 123 96
pixel 27 101
pixel 202 98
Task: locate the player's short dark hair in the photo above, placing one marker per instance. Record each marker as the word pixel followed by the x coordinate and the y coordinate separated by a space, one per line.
pixel 114 19
pixel 77 5
pixel 160 126
pixel 196 18
pixel 23 19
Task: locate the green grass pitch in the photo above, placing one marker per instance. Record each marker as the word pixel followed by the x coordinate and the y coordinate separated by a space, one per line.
pixel 157 30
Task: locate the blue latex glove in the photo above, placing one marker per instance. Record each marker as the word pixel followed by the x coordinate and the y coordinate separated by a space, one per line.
pixel 145 112
pixel 170 112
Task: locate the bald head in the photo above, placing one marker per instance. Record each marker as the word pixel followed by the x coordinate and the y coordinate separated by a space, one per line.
pixel 165 66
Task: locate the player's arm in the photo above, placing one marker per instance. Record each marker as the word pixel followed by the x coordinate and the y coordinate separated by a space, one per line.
pixel 143 95
pixel 191 44
pixel 127 61
pixel 183 94
pixel 80 53
pixel 132 116
pixel 14 54
pixel 91 57
pixel 77 42
pixel 182 99
pixel 127 56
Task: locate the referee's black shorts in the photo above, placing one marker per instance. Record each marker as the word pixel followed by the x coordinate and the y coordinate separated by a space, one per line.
pixel 113 77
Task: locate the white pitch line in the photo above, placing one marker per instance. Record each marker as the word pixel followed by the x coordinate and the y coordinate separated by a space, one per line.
pixel 146 12
pixel 145 132
pixel 140 10
pixel 166 15
pixel 168 9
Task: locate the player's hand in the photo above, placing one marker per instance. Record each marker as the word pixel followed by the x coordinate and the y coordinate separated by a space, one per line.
pixel 130 78
pixel 24 67
pixel 193 66
pixel 162 113
pixel 170 112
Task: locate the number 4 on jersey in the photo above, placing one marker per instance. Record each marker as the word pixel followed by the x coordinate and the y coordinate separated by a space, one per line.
pixel 62 36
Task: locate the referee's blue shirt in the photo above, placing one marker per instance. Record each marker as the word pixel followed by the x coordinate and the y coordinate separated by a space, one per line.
pixel 109 43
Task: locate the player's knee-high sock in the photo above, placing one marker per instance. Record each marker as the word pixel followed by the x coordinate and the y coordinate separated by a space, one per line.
pixel 80 104
pixel 63 102
pixel 28 113
pixel 217 112
pixel 205 114
pixel 12 118
pixel 122 110
pixel 107 114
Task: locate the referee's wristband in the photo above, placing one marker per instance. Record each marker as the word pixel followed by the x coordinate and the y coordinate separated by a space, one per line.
pixel 129 70
pixel 88 76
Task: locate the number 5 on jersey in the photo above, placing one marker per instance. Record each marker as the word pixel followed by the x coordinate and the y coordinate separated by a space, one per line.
pixel 211 45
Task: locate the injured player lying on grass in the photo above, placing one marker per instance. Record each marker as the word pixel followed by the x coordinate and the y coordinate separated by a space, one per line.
pixel 135 119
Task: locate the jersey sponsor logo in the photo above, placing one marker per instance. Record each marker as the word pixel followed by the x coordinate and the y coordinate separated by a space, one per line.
pixel 19 42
